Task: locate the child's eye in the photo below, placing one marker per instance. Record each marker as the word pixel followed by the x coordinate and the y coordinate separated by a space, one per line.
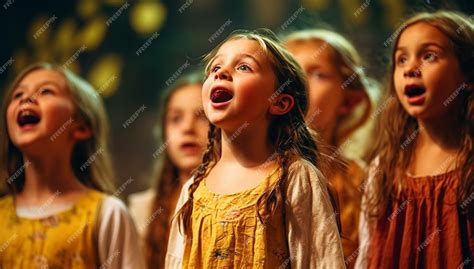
pixel 244 67
pixel 430 56
pixel 318 75
pixel 17 95
pixel 46 91
pixel 401 60
pixel 175 119
pixel 215 68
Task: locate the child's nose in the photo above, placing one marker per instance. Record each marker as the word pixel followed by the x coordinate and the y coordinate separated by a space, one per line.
pixel 28 98
pixel 222 74
pixel 188 124
pixel 412 69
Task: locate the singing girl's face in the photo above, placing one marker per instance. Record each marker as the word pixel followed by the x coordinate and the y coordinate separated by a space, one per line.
pixel 239 85
pixel 426 72
pixel 42 111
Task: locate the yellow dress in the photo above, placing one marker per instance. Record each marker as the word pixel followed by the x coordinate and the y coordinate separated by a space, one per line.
pixel 228 234
pixel 63 240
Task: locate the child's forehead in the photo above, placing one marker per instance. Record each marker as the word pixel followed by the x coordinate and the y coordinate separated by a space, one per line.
pixel 42 76
pixel 243 46
pixel 422 33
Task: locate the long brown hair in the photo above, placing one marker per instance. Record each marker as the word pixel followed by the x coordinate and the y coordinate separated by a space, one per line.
pixel 90 107
pixel 395 125
pixel 288 133
pixel 166 174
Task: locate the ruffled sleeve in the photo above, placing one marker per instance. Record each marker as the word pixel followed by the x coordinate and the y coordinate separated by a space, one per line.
pixel 313 236
pixel 176 241
pixel 118 238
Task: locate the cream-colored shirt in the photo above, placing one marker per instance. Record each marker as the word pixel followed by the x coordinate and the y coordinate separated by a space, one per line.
pixel 312 233
pixel 140 205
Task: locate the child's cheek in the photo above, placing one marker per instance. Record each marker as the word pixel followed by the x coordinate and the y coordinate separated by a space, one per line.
pixel 10 118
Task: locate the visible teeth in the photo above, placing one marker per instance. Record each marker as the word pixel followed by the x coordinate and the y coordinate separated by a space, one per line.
pixel 25 113
pixel 27 117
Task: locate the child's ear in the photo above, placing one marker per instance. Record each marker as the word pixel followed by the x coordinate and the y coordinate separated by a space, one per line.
pixel 282 104
pixel 81 130
pixel 352 98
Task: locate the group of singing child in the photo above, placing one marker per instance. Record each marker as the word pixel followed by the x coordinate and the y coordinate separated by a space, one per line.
pixel 253 169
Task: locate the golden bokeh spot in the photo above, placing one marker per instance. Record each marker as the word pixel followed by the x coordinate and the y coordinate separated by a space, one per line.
pixel 394 11
pixel 147 17
pixel 39 32
pixel 315 4
pixel 355 11
pixel 105 74
pixel 92 34
pixel 87 8
pixel 64 38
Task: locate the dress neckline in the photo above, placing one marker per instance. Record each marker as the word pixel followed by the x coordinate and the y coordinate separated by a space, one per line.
pixel 257 186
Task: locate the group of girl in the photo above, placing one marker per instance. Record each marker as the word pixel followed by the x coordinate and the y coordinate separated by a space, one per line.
pixel 252 169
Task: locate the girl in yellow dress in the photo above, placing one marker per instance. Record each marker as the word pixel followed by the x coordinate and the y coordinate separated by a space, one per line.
pixel 257 200
pixel 56 167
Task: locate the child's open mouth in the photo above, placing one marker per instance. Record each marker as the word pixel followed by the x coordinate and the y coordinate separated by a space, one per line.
pixel 190 148
pixel 415 94
pixel 221 95
pixel 27 118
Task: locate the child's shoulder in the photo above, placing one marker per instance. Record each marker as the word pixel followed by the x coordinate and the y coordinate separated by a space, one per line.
pixel 113 203
pixel 303 174
pixel 303 168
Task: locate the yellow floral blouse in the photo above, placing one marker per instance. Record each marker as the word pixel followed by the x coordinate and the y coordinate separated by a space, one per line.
pixel 226 231
pixel 64 240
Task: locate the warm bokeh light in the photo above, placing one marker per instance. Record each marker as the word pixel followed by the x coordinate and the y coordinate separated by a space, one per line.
pixel 147 17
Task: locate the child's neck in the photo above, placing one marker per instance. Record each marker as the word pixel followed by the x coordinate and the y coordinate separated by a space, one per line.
pixel 443 133
pixel 436 147
pixel 47 175
pixel 249 148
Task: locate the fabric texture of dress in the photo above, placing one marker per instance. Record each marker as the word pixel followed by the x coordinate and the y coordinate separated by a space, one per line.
pixel 95 231
pixel 226 231
pixel 423 228
pixel 348 185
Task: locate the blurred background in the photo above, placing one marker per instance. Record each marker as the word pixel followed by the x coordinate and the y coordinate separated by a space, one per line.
pixel 131 50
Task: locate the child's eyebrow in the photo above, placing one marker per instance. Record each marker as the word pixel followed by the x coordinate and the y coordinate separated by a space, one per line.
pixel 18 87
pixel 314 66
pixel 243 55
pixel 423 45
pixel 24 87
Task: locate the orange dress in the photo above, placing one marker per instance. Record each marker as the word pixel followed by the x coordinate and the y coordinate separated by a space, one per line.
pixel 348 185
pixel 424 227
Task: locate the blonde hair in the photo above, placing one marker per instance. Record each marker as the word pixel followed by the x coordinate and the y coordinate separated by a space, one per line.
pixel 395 125
pixel 350 67
pixel 90 108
